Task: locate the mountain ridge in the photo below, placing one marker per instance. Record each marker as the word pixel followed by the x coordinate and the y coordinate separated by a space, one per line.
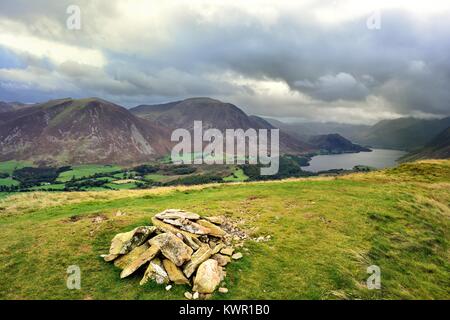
pixel 438 148
pixel 214 114
pixel 335 143
pixel 406 134
pixel 80 131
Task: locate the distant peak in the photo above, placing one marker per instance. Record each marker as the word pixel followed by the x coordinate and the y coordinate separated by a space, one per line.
pixel 203 99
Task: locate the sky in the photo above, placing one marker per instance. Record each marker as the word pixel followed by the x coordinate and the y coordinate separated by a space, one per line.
pixel 348 61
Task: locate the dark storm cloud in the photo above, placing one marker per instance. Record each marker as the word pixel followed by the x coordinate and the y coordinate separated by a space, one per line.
pixel 259 58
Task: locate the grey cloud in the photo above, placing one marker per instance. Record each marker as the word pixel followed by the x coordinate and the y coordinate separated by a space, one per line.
pixel 344 68
pixel 334 87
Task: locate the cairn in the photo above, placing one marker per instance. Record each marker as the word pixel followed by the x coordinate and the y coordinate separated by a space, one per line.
pixel 180 248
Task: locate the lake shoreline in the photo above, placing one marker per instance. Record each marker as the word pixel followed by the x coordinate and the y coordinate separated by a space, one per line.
pixel 376 158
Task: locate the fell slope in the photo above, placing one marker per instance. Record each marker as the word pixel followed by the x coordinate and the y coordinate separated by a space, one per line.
pixel 86 131
pixel 305 130
pixel 325 233
pixel 438 148
pixel 335 143
pixel 213 114
pixel 407 134
pixel 404 134
pixel 4 107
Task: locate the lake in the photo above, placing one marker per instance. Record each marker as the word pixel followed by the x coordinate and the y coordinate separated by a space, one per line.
pixel 378 158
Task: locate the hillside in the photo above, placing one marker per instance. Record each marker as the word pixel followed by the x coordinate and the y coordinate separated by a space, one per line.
pixel 4 107
pixel 335 143
pixel 325 233
pixel 80 131
pixel 403 134
pixel 182 114
pixel 213 114
pixel 319 135
pixel 438 148
pixel 305 130
pixel 10 106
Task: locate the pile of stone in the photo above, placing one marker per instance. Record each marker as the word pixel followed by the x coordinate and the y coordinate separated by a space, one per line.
pixel 180 248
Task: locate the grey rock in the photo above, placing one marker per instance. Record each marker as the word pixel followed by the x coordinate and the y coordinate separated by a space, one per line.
pixel 173 248
pixel 208 277
pixel 177 214
pixel 148 255
pixel 123 243
pixel 201 255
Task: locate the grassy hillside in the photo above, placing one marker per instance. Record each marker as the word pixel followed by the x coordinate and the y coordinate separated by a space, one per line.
pixel 10 166
pixel 326 232
pixel 438 148
pixel 404 133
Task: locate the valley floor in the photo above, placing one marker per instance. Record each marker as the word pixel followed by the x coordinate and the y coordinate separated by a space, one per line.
pixel 325 233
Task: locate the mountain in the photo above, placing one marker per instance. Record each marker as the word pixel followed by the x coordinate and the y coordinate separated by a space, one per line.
pixel 403 134
pixel 80 131
pixel 438 148
pixel 304 130
pixel 335 143
pixel 329 142
pixel 10 106
pixel 213 114
pixel 407 134
pixel 4 107
pixel 182 114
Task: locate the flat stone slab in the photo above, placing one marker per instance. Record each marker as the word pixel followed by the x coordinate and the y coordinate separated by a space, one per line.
pixel 123 243
pixel 214 230
pixel 148 255
pixel 177 214
pixel 123 261
pixel 169 228
pixel 174 273
pixel 216 220
pixel 197 258
pixel 228 251
pixel 173 248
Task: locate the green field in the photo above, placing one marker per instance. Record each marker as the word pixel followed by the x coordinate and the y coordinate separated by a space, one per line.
pixel 122 186
pixel 49 187
pixel 86 171
pixel 3 194
pixel 10 166
pixel 325 233
pixel 238 176
pixel 8 182
pixel 156 177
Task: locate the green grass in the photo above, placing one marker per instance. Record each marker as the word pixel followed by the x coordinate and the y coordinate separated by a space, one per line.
pixel 107 179
pixel 326 232
pixel 8 182
pixel 120 176
pixel 10 166
pixel 4 194
pixel 48 187
pixel 156 177
pixel 238 176
pixel 122 186
pixel 86 171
